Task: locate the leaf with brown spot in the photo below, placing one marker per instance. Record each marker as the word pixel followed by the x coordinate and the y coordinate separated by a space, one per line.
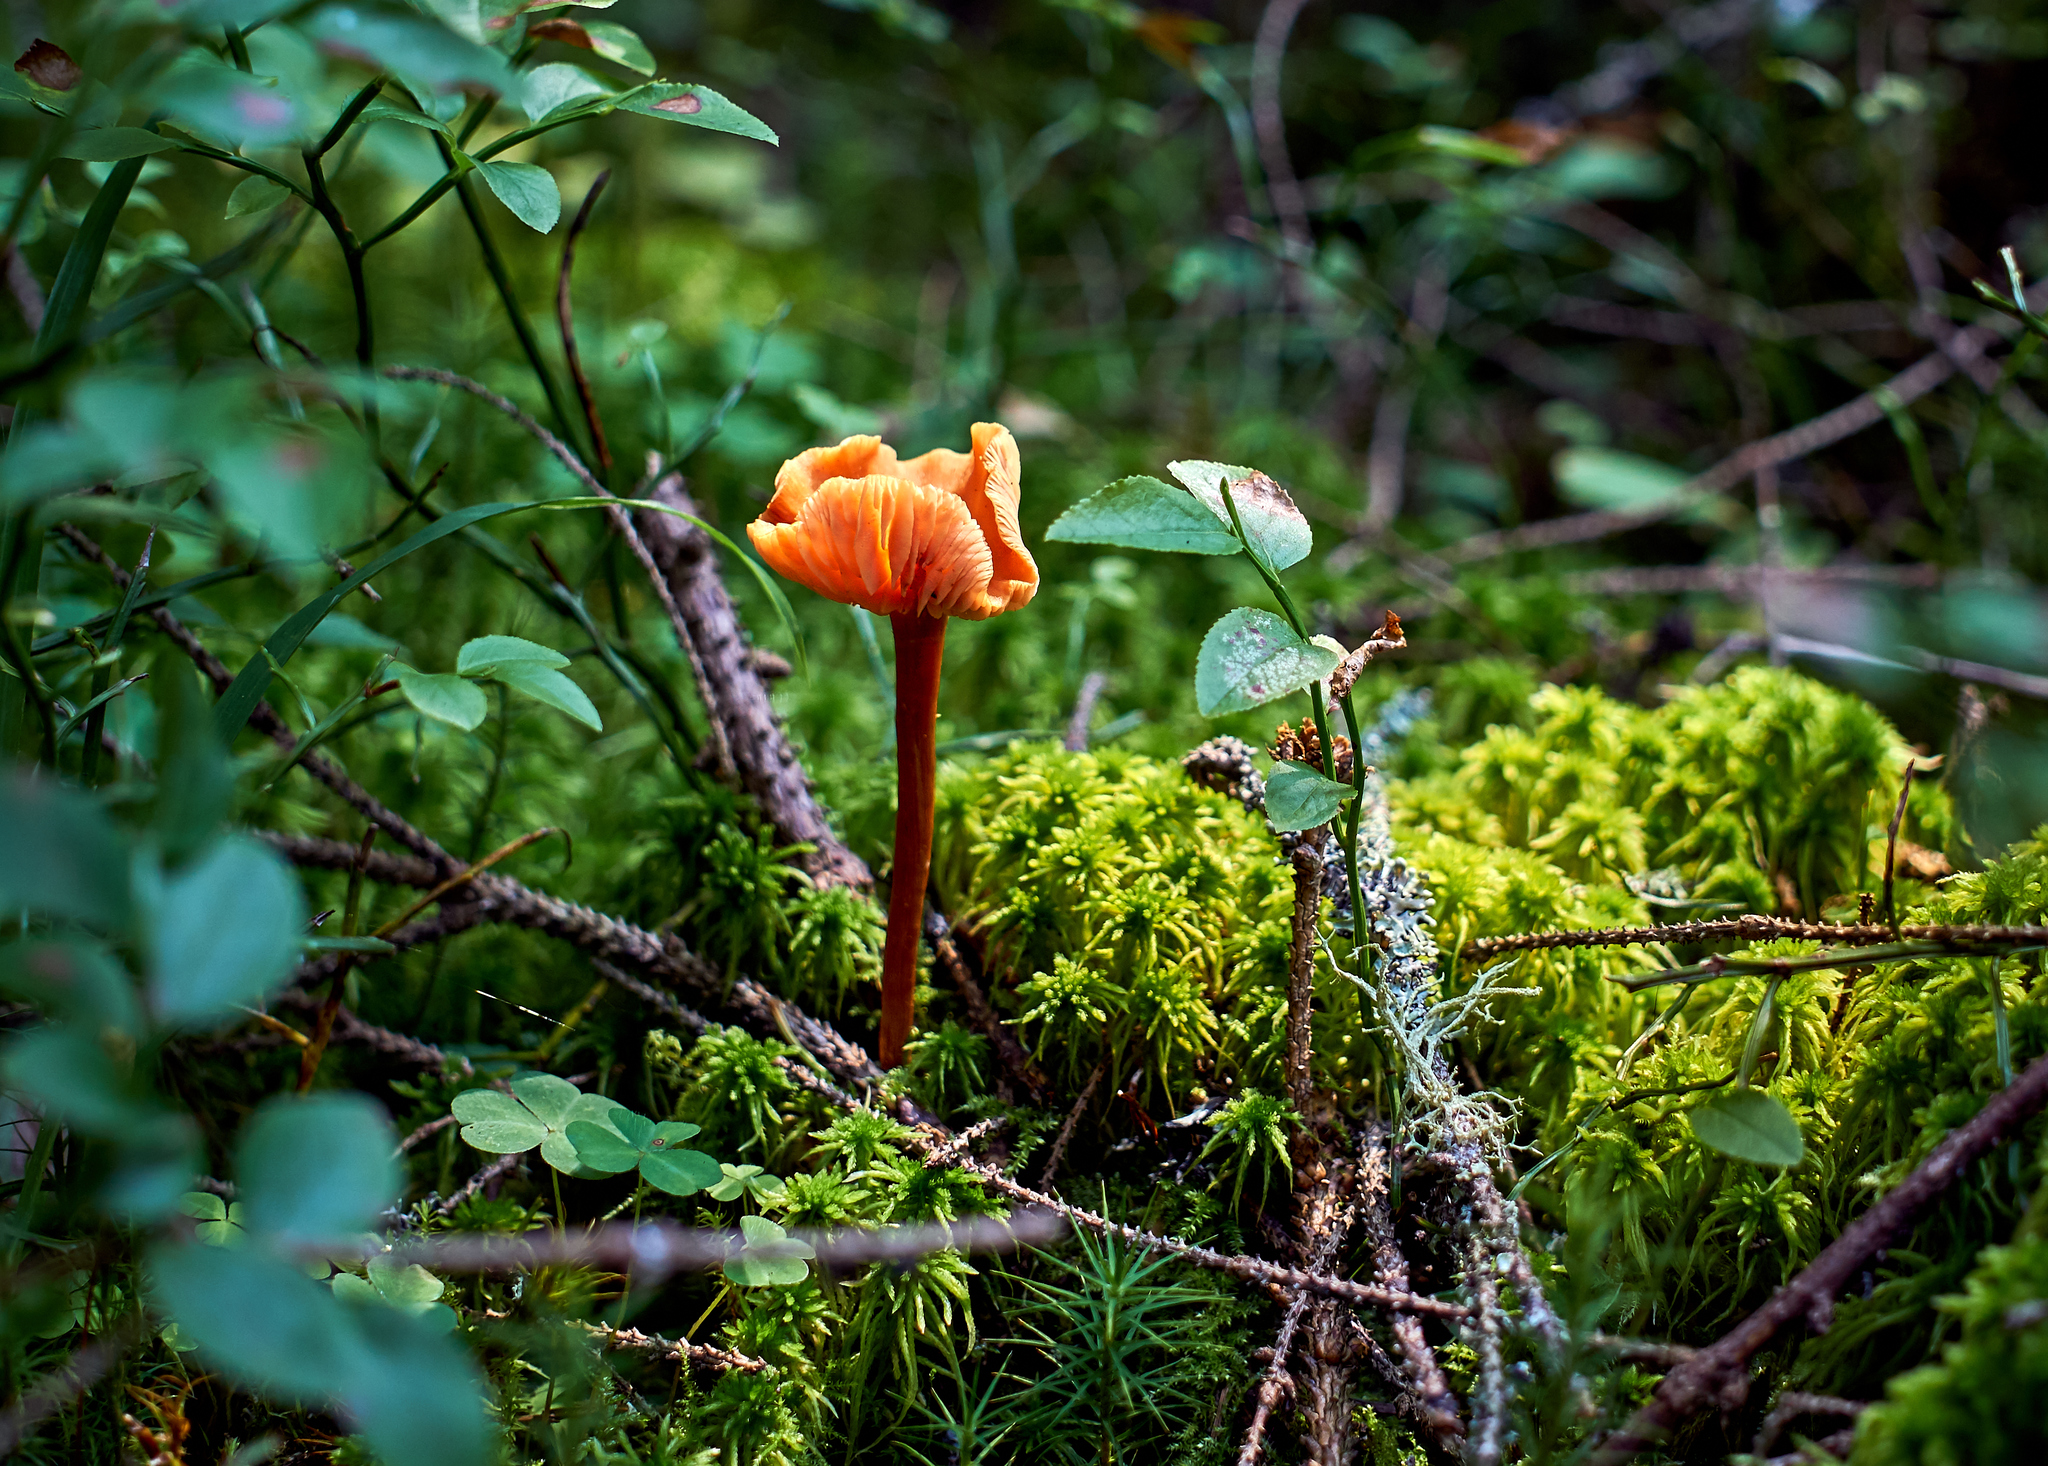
pixel 48 66
pixel 568 32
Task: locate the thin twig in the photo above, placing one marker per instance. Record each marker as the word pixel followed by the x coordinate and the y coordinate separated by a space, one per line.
pixel 1080 1107
pixel 1275 1383
pixel 566 316
pixel 1757 929
pixel 1301 962
pixel 680 1351
pixel 950 959
pixel 1891 846
pixel 497 1169
pixel 1076 740
pixel 1718 1375
pixel 720 750
pixel 1435 1405
pixel 1795 1403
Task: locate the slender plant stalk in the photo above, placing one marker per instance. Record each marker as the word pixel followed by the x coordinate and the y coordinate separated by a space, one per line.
pixel 920 647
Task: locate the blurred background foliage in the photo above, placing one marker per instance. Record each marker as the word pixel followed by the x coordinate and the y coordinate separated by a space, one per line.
pixel 1452 273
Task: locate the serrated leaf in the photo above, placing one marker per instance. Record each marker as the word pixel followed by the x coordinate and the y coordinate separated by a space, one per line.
pixel 1144 513
pixel 545 90
pixel 527 189
pixel 1751 1126
pixel 111 144
pixel 1300 798
pixel 1276 531
pixel 698 106
pixel 544 684
pixel 255 195
pixel 1251 657
pixel 481 655
pixel 444 696
pixel 226 930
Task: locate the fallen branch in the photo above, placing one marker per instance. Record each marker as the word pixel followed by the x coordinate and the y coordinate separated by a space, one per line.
pixel 1079 1108
pixel 1436 1406
pixel 681 1351
pixel 946 954
pixel 720 746
pixel 1757 929
pixel 736 696
pixel 1718 1375
pixel 1273 1384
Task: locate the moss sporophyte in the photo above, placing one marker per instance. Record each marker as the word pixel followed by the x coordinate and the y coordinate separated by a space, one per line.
pixel 918 540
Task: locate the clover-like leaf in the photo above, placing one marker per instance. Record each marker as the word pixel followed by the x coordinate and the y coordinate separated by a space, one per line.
pixel 405 1286
pixel 538 1112
pixel 1251 657
pixel 768 1255
pixel 629 1141
pixel 1751 1126
pixel 748 1181
pixel 1300 798
pixel 219 1222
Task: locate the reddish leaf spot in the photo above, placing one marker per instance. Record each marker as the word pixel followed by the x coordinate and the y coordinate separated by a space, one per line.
pixel 260 109
pixel 47 66
pixel 568 32
pixel 684 104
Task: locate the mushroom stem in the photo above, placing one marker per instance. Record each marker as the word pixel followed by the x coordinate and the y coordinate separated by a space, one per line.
pixel 920 644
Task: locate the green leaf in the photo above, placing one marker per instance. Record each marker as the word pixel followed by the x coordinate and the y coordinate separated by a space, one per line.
pixel 1300 798
pixel 1276 530
pixel 615 43
pixel 382 111
pixel 496 1122
pixel 545 90
pixel 1142 513
pixel 255 195
pixel 1607 478
pixel 1251 657
pixel 528 190
pixel 768 1256
pixel 601 1149
pixel 317 1169
pixel 110 144
pixel 229 107
pixel 483 655
pixel 679 1172
pixel 444 695
pixel 75 981
pixel 698 106
pixel 544 684
pixel 428 57
pixel 226 930
pixel 1751 1126
pixel 413 1393
pixel 72 289
pixel 220 1225
pixel 60 856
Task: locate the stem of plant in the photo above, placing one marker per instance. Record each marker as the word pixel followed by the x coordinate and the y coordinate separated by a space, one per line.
pixel 920 648
pixel 358 284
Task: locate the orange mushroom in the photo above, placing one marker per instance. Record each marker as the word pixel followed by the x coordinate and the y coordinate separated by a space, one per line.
pixel 918 541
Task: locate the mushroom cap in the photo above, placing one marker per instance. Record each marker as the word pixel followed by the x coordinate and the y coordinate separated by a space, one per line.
pixel 934 535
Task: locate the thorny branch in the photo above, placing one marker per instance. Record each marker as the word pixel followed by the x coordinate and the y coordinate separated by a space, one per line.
pixel 1718 1375
pixel 1758 929
pixel 681 1351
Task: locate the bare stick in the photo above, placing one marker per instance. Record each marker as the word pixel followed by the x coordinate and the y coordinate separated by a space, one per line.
pixel 1269 47
pixel 1435 1404
pixel 738 697
pixel 1758 929
pixel 1915 382
pixel 1301 963
pixel 1891 846
pixel 1076 740
pixel 946 953
pixel 1080 1108
pixel 1795 1403
pixel 1273 1384
pixel 498 1168
pixel 680 1351
pixel 566 317
pixel 27 293
pixel 1718 1375
pixel 1490 1395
